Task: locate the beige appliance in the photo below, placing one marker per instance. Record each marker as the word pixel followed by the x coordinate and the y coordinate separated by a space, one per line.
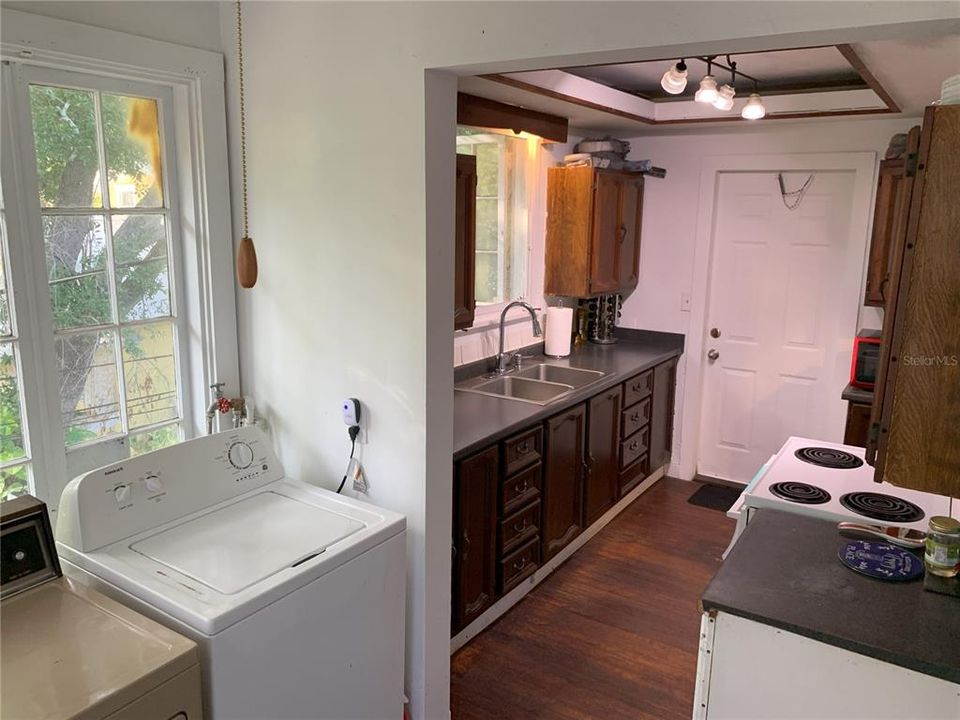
pixel 70 652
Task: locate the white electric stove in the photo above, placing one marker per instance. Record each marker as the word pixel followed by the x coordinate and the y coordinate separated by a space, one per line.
pixel 832 481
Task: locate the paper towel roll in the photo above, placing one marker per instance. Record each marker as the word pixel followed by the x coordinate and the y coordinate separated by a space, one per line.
pixel 559 328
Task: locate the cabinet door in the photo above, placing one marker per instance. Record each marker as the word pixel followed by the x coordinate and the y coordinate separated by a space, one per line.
pixel 563 480
pixel 631 219
pixel 475 537
pixel 606 233
pixel 661 414
pixel 465 242
pixel 858 425
pixel 603 438
pixel 890 191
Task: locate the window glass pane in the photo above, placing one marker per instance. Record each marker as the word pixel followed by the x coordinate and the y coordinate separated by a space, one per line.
pixel 154 440
pixel 149 370
pixel 75 244
pixel 81 302
pixel 486 279
pixel 488 224
pixel 65 140
pixel 138 237
pixel 12 444
pixel 131 134
pixel 143 291
pixel 14 481
pixel 89 389
pixel 488 160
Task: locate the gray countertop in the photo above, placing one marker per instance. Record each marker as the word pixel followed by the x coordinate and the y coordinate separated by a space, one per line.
pixel 784 572
pixel 479 420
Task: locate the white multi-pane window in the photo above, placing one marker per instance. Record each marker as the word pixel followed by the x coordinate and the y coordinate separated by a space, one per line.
pixel 506 166
pixel 95 189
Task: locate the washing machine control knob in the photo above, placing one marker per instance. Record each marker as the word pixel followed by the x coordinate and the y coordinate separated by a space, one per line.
pixel 122 494
pixel 154 484
pixel 240 455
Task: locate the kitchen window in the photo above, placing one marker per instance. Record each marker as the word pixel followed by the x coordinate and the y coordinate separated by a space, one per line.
pixel 113 293
pixel 506 167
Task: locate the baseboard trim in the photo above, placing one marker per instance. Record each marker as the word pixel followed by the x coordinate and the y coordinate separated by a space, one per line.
pixel 501 606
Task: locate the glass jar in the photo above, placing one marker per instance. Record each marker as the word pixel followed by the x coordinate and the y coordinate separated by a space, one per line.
pixel 942 554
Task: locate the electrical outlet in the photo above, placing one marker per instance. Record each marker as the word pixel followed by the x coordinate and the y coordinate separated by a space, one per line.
pixel 684 302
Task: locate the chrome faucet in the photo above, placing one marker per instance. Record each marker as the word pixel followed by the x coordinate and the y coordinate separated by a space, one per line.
pixel 505 359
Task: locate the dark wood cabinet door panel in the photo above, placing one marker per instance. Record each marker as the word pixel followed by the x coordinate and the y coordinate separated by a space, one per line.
pixel 602 471
pixel 519 527
pixel 637 388
pixel 858 425
pixel 465 234
pixel 475 536
pixel 519 565
pixel 661 413
pixel 631 218
pixel 890 199
pixel 522 450
pixel 635 417
pixel 563 470
pixel 635 474
pixel 520 489
pixel 606 233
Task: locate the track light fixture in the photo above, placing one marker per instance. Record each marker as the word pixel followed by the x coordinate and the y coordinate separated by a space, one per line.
pixel 726 92
pixel 708 87
pixel 674 80
pixel 754 109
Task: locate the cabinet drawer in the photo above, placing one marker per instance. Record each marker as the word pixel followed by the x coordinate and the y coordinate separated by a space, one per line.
pixel 635 417
pixel 522 450
pixel 520 564
pixel 634 446
pixel 637 388
pixel 634 475
pixel 520 527
pixel 520 489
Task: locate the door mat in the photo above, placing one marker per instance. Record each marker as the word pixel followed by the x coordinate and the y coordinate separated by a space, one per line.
pixel 715 497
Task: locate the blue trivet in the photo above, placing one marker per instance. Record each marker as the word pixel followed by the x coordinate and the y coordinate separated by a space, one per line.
pixel 880 560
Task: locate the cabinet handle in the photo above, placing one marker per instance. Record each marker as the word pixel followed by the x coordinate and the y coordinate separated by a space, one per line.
pixel 520 525
pixel 520 487
pixel 634 445
pixel 635 417
pixel 466 544
pixel 520 564
pixel 523 448
pixel 622 233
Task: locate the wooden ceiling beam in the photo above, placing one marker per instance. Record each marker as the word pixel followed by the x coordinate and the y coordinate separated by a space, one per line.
pixel 481 112
pixel 850 55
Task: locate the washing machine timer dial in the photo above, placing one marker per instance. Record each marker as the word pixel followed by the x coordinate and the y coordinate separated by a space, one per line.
pixel 240 455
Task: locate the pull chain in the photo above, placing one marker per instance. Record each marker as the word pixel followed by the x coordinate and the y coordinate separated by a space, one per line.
pixel 246 253
pixel 796 196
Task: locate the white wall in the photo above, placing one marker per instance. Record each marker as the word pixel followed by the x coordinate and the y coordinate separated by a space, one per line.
pixel 196 24
pixel 351 185
pixel 670 209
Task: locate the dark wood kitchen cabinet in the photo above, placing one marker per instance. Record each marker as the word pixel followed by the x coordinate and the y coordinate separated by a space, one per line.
pixel 892 204
pixel 594 220
pixel 661 413
pixel 475 536
pixel 465 241
pixel 601 485
pixel 915 423
pixel 563 473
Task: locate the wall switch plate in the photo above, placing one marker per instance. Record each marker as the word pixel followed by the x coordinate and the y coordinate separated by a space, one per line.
pixel 684 302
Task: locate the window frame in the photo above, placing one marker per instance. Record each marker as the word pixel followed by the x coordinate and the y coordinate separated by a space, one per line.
pixel 194 82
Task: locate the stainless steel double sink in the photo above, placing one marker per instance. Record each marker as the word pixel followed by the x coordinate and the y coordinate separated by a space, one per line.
pixel 539 384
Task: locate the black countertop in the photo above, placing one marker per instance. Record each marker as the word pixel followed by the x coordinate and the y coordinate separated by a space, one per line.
pixel 784 572
pixel 851 393
pixel 479 420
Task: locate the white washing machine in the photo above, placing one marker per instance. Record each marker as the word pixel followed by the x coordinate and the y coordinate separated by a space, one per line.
pixel 294 595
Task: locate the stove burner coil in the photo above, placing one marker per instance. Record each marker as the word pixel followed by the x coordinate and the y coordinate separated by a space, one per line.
pixel 829 458
pixel 799 492
pixel 885 508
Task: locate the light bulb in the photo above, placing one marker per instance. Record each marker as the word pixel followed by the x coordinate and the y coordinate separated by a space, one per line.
pixel 674 80
pixel 724 99
pixel 754 109
pixel 708 90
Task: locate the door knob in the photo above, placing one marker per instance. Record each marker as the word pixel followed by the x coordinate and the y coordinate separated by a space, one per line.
pixel 712 355
pixel 714 332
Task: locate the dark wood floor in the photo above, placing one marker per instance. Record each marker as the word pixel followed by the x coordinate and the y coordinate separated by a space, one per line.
pixel 613 633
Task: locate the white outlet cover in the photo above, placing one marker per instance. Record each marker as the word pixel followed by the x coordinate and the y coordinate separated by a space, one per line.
pixel 685 302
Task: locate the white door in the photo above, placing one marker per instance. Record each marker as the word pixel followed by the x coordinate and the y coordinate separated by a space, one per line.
pixel 784 297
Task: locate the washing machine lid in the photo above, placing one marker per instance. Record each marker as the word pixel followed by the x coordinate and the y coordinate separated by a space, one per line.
pixel 236 546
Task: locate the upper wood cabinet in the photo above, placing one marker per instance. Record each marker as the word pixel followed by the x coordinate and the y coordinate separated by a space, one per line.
pixel 889 214
pixel 915 423
pixel 593 231
pixel 465 239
